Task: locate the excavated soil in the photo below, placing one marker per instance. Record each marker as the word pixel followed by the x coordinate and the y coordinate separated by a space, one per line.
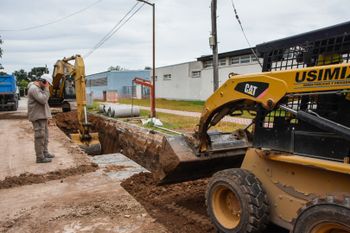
pixel 28 178
pixel 179 207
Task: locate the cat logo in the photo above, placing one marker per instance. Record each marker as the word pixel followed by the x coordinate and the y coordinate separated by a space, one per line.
pixel 255 89
pixel 250 89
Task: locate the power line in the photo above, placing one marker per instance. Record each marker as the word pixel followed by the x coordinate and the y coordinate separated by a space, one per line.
pixel 52 22
pixel 115 29
pixel 245 36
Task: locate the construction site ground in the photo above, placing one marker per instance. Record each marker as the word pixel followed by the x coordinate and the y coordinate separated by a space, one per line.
pixel 78 193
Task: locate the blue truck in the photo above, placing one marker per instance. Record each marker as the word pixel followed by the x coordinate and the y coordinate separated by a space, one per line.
pixel 8 92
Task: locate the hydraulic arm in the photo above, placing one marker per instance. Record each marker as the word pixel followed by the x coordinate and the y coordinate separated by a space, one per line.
pixel 64 71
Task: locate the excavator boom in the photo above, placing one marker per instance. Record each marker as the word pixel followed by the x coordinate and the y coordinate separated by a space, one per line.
pixel 63 71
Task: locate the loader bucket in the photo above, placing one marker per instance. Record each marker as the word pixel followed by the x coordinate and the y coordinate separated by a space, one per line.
pixel 170 159
pixel 179 162
pixel 92 147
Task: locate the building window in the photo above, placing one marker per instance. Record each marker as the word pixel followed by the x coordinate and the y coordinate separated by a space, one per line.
pixel 245 59
pixel 254 59
pixel 222 62
pixel 129 91
pixel 208 64
pixel 196 74
pixel 166 76
pixel 97 82
pixel 234 60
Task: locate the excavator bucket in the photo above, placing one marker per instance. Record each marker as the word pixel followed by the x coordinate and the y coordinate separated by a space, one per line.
pixel 93 147
pixel 178 161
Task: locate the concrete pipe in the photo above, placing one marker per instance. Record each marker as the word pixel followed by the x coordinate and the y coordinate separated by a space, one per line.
pixel 101 108
pixel 124 111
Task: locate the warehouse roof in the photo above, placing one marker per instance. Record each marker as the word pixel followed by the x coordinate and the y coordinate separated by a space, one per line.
pixel 234 53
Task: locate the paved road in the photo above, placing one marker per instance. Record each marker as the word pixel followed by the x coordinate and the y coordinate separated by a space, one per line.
pixel 237 120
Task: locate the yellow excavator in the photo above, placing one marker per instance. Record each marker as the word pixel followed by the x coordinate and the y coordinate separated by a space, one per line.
pixel 69 86
pixel 291 166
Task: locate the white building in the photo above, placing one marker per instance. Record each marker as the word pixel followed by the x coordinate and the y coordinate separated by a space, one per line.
pixel 194 80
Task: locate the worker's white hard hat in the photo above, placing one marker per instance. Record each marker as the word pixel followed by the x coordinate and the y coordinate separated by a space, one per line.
pixel 47 77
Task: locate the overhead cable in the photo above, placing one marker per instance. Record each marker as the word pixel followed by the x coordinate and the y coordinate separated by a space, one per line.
pixel 115 28
pixel 245 36
pixel 52 22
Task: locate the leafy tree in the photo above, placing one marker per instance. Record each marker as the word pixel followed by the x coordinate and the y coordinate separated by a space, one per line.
pixel 36 72
pixel 21 75
pixel 23 84
pixel 22 78
pixel 117 68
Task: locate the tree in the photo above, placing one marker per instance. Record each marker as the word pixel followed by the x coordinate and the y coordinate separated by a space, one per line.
pixel 22 78
pixel 117 68
pixel 36 72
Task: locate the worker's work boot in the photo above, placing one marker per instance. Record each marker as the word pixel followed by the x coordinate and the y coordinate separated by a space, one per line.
pixel 43 160
pixel 49 155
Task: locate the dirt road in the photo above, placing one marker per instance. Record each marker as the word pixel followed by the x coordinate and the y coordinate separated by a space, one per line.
pixel 17 146
pixel 86 203
pixel 65 195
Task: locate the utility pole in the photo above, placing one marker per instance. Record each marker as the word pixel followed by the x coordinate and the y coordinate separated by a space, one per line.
pixel 153 90
pixel 214 45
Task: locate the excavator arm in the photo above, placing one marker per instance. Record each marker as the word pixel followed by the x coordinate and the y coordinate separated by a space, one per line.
pixel 63 69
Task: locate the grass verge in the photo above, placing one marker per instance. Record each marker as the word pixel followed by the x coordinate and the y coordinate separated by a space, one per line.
pixel 182 105
pixel 188 124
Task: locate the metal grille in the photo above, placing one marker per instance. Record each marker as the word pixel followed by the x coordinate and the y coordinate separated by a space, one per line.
pixel 324 105
pixel 325 46
pixel 320 52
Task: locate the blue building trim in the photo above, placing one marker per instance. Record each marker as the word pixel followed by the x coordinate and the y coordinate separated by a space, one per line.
pixel 118 81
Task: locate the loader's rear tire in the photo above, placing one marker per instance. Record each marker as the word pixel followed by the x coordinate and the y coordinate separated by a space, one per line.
pixel 324 215
pixel 236 202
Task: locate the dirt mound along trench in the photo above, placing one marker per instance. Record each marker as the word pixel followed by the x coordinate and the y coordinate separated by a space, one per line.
pixel 179 207
pixel 28 178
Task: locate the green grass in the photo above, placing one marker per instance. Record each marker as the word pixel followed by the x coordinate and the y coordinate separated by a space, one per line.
pixel 185 123
pixel 94 107
pixel 182 105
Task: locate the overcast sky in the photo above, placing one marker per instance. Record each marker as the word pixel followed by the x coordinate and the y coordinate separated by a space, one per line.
pixel 182 29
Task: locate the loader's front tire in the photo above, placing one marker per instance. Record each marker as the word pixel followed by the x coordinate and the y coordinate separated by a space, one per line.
pixel 324 215
pixel 236 202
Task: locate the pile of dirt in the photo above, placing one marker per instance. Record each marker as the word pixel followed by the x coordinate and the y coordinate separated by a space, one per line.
pixel 179 207
pixel 28 178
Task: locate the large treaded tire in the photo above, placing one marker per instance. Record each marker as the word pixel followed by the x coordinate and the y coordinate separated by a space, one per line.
pixel 249 193
pixel 326 215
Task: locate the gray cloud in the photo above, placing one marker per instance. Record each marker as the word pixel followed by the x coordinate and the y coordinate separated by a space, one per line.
pixel 183 28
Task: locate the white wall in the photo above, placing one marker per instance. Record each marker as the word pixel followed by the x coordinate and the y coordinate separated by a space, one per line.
pixel 184 87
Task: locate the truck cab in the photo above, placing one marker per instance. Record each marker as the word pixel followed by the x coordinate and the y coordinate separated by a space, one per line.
pixel 8 94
